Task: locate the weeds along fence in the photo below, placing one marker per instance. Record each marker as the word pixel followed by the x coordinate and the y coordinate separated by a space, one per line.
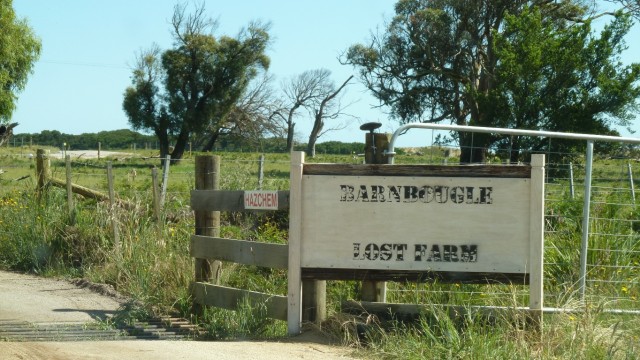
pixel 13 173
pixel 209 249
pixel 612 257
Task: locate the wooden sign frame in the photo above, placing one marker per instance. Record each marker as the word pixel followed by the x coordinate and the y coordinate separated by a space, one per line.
pixel 457 224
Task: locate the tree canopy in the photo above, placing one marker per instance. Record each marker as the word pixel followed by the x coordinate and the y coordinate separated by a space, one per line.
pixel 529 64
pixel 19 50
pixel 192 87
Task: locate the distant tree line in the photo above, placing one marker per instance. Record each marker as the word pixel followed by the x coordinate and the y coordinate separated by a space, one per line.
pixel 125 139
pixel 109 140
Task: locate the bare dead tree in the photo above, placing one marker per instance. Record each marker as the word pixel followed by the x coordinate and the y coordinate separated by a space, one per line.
pixel 185 25
pixel 301 91
pixel 258 114
pixel 329 107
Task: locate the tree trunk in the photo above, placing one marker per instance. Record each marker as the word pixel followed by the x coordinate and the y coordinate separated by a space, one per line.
pixel 473 147
pixel 6 131
pixel 290 132
pixel 318 125
pixel 179 148
pixel 211 142
pixel 514 156
pixel 311 147
pixel 163 142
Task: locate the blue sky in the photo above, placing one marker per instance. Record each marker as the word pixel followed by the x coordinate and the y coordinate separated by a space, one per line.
pixel 88 47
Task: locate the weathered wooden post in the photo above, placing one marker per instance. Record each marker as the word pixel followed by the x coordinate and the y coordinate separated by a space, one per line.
pixel 43 170
pixel 72 215
pixel 207 175
pixel 113 209
pixel 375 144
pixel 314 301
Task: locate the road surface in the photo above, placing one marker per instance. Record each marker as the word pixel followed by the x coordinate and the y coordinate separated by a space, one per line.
pixel 47 302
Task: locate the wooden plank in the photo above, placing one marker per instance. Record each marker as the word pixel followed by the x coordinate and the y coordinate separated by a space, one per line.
pixel 89 193
pixel 294 319
pixel 415 276
pixel 414 311
pixel 240 251
pixel 228 200
pixel 230 298
pixel 494 171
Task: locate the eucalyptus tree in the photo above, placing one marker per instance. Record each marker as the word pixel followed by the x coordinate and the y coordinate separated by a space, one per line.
pixel 561 78
pixel 439 60
pixel 19 50
pixel 192 87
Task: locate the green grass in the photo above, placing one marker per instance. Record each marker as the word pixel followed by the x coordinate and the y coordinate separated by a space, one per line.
pixel 152 263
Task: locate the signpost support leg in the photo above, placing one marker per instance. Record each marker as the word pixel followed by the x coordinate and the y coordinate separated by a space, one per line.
pixel 294 309
pixel 536 240
pixel 375 291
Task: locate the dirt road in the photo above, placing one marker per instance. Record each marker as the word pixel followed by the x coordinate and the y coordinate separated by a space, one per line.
pixel 86 154
pixel 47 302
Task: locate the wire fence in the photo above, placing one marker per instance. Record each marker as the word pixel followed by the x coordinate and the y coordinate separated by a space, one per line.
pixel 613 253
pixel 612 257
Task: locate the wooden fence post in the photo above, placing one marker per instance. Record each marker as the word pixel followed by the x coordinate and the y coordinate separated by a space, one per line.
pixel 314 301
pixel 207 175
pixel 43 170
pixel 375 290
pixel 113 209
pixel 72 215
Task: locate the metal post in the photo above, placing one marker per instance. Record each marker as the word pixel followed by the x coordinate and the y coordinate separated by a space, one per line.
pixel 585 220
pixel 432 131
pixel 157 211
pixel 260 171
pixel 571 188
pixel 633 190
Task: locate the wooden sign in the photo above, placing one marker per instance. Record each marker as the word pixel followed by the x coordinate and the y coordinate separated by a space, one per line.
pixel 462 223
pixel 261 200
pixel 415 223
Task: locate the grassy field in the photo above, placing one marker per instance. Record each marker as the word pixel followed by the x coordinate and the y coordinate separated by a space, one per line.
pixel 152 264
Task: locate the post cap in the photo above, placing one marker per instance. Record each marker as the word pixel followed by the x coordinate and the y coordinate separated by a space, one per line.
pixel 370 126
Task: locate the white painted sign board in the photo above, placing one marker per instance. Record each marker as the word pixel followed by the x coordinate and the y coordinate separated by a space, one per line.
pixel 415 224
pixel 447 224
